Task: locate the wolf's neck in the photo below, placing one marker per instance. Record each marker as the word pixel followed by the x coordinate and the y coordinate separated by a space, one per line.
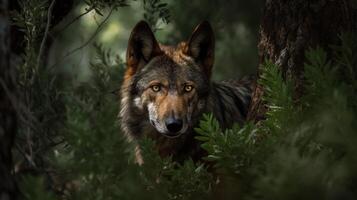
pixel 229 102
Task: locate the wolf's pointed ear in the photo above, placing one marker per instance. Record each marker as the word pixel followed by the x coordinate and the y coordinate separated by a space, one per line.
pixel 201 46
pixel 142 47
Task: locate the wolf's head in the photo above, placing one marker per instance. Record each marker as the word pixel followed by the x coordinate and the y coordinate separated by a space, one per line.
pixel 169 84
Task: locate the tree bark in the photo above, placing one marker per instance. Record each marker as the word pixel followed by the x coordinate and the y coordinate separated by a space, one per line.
pixel 8 121
pixel 289 28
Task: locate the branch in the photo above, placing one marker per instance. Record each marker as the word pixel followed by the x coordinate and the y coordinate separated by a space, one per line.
pixel 25 156
pixel 74 20
pixel 44 39
pixel 100 26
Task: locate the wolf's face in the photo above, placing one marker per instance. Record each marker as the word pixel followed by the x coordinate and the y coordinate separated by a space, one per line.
pixel 170 92
pixel 170 85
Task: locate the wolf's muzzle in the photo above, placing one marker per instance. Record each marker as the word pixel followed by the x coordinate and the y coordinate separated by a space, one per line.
pixel 173 125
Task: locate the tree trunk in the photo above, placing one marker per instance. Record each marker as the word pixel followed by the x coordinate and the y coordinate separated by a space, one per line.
pixel 289 28
pixel 7 111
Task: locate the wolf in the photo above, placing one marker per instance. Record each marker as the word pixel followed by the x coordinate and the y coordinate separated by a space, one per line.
pixel 166 89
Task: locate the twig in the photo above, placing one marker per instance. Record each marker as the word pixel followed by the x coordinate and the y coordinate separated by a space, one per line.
pixel 93 36
pixel 20 108
pixel 26 157
pixel 74 20
pixel 44 39
pixel 29 143
pixel 88 41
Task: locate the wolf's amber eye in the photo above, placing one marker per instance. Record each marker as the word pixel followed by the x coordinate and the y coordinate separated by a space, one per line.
pixel 155 88
pixel 188 88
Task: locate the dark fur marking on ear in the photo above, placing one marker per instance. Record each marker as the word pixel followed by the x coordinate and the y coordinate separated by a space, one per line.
pixel 142 47
pixel 200 46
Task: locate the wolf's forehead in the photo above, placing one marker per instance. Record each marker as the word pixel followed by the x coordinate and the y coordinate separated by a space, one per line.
pixel 175 53
pixel 165 68
pixel 171 65
pixel 173 62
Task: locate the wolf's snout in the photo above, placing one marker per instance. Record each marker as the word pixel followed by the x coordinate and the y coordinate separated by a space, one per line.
pixel 173 125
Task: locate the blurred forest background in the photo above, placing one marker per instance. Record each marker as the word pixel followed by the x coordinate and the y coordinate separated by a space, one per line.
pixel 68 58
pixel 235 23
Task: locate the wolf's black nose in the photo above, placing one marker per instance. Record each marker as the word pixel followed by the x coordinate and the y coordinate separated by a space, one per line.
pixel 173 125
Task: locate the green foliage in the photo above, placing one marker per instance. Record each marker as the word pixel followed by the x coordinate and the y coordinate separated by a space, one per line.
pixel 40 105
pixel 95 156
pixel 155 10
pixel 230 150
pixel 170 180
pixel 189 181
pixel 344 55
pixel 99 5
pixel 38 191
pixel 87 157
pixel 31 21
pixel 278 95
pixel 302 150
pixel 316 154
pixel 98 161
pixel 70 134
